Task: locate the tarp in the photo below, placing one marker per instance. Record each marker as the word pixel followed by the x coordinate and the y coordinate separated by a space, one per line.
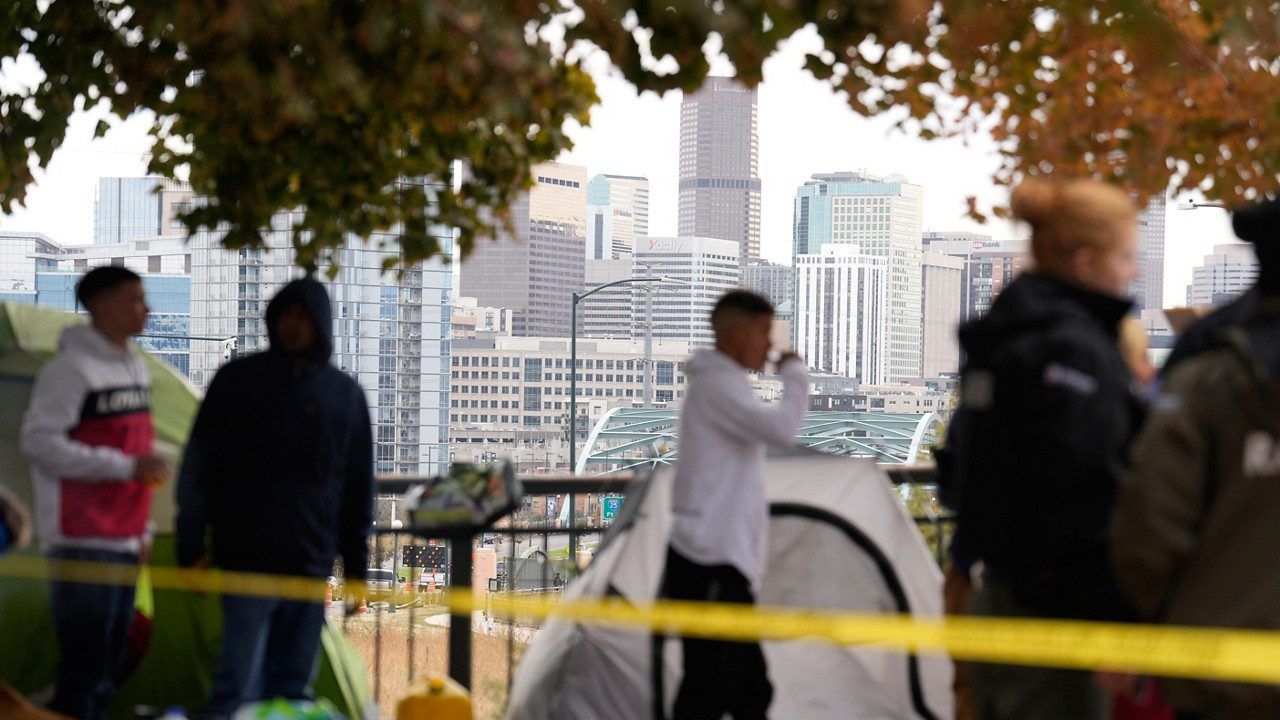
pixel 839 540
pixel 186 627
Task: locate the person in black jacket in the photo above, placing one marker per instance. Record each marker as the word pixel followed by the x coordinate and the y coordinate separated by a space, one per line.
pixel 1037 446
pixel 278 473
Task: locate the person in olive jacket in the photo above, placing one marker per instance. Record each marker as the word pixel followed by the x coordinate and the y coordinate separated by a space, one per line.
pixel 1194 536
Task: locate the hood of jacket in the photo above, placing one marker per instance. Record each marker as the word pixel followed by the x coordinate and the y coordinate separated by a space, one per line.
pixel 1034 301
pixel 87 341
pixel 314 299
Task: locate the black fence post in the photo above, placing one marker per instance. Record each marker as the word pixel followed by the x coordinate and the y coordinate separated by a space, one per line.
pixel 460 578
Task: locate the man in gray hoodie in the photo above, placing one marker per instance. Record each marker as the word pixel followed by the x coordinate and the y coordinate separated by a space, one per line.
pixel 719 536
pixel 89 438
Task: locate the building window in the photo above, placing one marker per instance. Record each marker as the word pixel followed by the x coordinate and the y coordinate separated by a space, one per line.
pixel 533 370
pixel 666 373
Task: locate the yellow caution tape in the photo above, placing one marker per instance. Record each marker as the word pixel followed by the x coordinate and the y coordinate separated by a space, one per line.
pixel 1205 653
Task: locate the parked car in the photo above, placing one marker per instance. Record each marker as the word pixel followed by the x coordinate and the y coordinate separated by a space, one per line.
pixel 378 579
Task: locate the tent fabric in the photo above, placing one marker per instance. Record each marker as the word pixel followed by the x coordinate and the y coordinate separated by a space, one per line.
pixel 839 540
pixel 187 627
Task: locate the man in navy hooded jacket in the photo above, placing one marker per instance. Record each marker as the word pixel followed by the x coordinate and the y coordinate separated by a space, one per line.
pixel 278 478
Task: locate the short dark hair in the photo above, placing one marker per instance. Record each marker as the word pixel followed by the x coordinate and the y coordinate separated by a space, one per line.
pixel 742 303
pixel 101 279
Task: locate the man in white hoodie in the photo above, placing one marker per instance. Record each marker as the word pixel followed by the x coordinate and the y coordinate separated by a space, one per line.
pixel 720 533
pixel 88 437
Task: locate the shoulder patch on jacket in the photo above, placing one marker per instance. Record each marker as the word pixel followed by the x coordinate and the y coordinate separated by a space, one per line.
pixel 1261 455
pixel 978 390
pixel 1058 375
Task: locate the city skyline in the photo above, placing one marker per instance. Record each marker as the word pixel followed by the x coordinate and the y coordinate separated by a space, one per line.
pixel 638 134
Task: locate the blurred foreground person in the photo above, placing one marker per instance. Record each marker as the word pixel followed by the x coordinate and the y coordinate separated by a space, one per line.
pixel 719 536
pixel 1036 448
pixel 279 472
pixel 89 438
pixel 1194 537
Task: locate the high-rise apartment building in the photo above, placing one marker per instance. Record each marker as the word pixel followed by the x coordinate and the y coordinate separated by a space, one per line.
pixel 943 282
pixel 990 265
pixel 390 330
pixel 129 208
pixel 841 307
pixel 617 214
pixel 535 272
pixel 882 216
pixel 705 269
pixel 1225 273
pixel 1148 291
pixel 719 165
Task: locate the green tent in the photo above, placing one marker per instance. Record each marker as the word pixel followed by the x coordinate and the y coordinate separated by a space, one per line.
pixel 186 627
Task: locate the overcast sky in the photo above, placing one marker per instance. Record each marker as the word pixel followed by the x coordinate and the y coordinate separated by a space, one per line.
pixel 804 128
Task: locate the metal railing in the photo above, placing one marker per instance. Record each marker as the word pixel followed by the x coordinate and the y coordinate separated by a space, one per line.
pixel 531 556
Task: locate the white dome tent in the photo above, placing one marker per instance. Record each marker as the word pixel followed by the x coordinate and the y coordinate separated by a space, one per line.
pixel 839 541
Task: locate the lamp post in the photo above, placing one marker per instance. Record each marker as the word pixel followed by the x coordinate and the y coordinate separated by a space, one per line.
pixel 1193 205
pixel 573 383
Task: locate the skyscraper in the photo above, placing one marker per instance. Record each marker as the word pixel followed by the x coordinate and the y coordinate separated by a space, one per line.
pixel 943 283
pixel 707 267
pixel 128 208
pixel 390 331
pixel 719 169
pixel 617 214
pixel 1148 291
pixel 535 272
pixel 840 312
pixel 883 217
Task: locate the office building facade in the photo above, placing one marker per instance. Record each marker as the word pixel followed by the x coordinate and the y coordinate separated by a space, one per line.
pixel 1223 274
pixel 840 317
pixel 617 214
pixel 131 208
pixel 719 166
pixel 22 256
pixel 990 265
pixel 704 268
pixel 608 313
pixel 882 216
pixel 773 280
pixel 942 278
pixel 535 272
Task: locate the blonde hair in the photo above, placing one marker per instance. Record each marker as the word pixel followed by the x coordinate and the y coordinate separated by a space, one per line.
pixel 1132 337
pixel 1068 215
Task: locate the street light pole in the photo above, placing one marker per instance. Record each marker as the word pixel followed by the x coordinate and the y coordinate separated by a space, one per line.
pixel 573 387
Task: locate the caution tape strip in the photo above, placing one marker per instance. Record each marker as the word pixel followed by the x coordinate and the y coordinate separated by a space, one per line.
pixel 1204 653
